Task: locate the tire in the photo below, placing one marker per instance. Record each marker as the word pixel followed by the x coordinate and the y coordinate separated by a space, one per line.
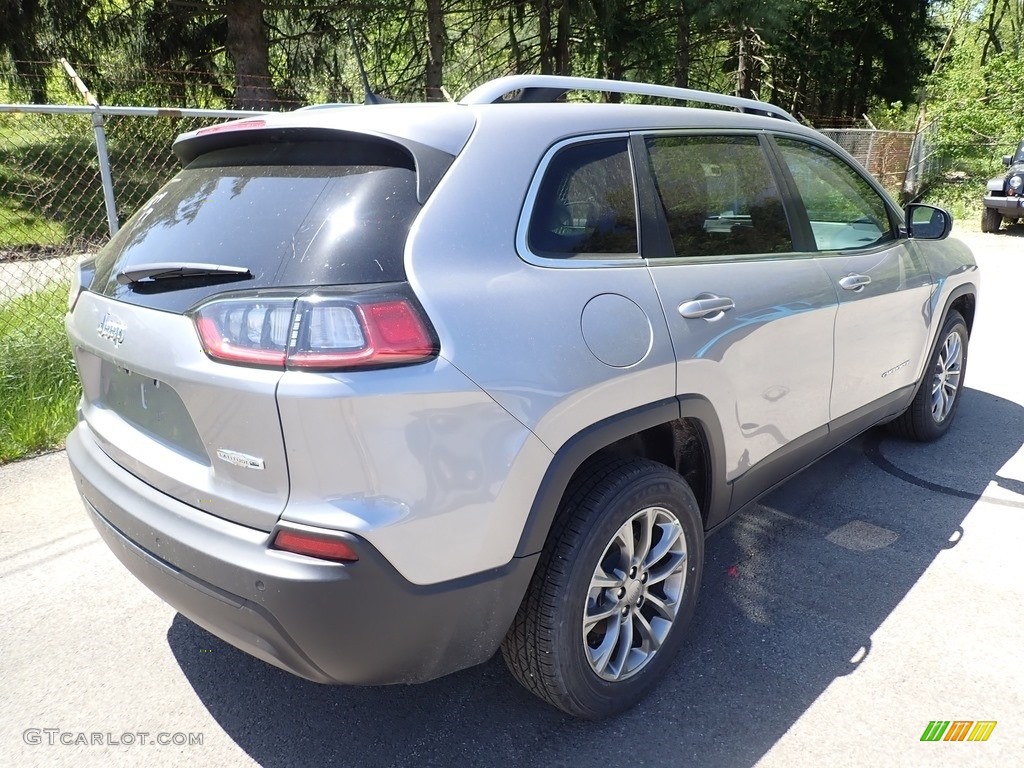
pixel 607 667
pixel 938 397
pixel 990 220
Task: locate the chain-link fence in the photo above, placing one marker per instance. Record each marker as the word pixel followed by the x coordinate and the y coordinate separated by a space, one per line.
pixel 886 154
pixel 52 204
pixel 71 174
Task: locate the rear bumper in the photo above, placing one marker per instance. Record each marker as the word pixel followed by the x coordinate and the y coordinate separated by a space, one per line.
pixel 358 623
pixel 1008 206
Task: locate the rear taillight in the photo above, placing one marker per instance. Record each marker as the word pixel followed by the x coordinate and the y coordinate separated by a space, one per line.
pixel 314 545
pixel 322 331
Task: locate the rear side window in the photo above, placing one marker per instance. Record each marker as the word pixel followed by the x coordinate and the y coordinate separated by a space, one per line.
pixel 586 205
pixel 718 195
pixel 845 211
pixel 294 214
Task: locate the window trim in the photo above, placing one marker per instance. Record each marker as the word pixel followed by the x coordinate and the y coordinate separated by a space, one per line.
pixel 578 262
pixel 896 220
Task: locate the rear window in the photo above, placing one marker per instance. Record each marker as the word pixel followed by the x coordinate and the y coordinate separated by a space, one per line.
pixel 294 214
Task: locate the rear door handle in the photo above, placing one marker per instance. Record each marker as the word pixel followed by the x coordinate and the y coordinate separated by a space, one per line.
pixel 706 305
pixel 854 282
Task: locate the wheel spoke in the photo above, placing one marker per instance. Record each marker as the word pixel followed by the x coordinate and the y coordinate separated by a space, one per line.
pixel 643 546
pixel 669 536
pixel 952 358
pixel 650 640
pixel 623 645
pixel 603 614
pixel 667 611
pixel 604 580
pixel 669 566
pixel 600 656
pixel 625 535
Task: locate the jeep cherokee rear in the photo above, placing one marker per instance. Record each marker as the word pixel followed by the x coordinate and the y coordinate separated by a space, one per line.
pixel 370 392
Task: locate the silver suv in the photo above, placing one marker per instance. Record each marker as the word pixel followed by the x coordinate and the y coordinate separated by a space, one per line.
pixel 370 392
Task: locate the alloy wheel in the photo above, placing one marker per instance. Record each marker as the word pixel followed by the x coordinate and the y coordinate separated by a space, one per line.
pixel 635 594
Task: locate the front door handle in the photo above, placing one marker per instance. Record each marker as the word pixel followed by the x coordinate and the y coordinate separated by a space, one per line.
pixel 854 282
pixel 706 305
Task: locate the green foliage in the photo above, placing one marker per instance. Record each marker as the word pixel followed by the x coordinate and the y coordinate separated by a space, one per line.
pixel 38 385
pixel 821 57
pixel 961 197
pixel 975 107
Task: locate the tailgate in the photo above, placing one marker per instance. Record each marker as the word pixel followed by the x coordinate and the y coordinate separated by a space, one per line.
pixel 204 433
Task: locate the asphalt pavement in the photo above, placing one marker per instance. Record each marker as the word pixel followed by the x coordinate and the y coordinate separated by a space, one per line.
pixel 880 590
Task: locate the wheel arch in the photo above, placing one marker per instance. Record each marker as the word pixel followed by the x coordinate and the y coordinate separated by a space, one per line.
pixel 674 432
pixel 964 299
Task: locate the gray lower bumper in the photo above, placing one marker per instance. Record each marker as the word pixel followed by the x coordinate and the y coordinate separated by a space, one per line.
pixel 358 623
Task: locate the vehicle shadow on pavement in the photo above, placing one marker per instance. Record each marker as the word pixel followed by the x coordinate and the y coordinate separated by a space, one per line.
pixel 792 593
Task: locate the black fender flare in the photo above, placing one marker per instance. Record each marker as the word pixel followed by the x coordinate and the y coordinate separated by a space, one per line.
pixel 584 444
pixel 967 289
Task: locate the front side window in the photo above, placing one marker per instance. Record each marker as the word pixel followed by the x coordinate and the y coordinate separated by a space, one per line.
pixel 718 195
pixel 845 211
pixel 585 205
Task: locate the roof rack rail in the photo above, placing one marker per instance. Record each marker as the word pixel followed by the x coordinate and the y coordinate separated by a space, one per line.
pixel 536 89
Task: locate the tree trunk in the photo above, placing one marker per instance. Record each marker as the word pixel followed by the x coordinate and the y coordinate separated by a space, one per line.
pixel 544 31
pixel 562 63
pixel 435 50
pixel 515 49
pixel 249 49
pixel 742 66
pixel 682 78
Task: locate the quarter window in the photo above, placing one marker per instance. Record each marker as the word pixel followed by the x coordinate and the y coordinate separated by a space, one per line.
pixel 718 195
pixel 845 211
pixel 585 204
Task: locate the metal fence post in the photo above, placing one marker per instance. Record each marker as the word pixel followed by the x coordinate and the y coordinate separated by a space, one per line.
pixel 105 178
pixel 102 155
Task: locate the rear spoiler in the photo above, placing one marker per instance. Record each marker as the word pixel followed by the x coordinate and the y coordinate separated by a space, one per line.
pixel 430 163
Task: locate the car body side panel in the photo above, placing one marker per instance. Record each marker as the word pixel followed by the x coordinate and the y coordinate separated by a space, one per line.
pixel 881 336
pixel 953 271
pixel 766 365
pixel 513 327
pixel 416 460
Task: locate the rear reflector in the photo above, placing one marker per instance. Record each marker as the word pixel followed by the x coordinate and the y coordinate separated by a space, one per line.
pixel 314 545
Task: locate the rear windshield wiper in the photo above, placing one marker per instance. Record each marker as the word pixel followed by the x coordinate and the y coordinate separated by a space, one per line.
pixel 147 274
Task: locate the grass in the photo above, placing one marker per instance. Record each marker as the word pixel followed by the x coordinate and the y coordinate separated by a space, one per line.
pixel 960 198
pixel 21 225
pixel 38 384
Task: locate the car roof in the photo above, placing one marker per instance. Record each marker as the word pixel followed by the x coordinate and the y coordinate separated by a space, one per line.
pixel 448 126
pixel 519 102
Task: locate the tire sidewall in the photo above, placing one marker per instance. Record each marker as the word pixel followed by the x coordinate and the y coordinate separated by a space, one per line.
pixel 661 488
pixel 954 323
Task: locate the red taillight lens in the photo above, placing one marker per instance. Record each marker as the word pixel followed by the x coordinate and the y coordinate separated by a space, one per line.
pixel 246 331
pixel 324 331
pixel 315 545
pixel 364 334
